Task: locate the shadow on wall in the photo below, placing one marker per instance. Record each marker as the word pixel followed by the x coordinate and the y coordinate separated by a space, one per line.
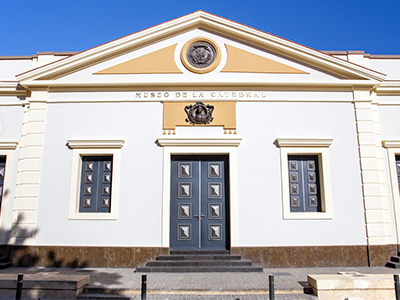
pixel 30 256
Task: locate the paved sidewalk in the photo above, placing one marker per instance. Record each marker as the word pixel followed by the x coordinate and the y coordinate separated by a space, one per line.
pixel 289 282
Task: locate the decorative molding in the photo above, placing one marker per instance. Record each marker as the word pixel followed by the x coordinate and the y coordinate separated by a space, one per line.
pixel 189 59
pixel 239 84
pixel 314 142
pixel 232 142
pixel 95 144
pixel 11 88
pixel 8 145
pixel 199 113
pixel 388 88
pixel 391 143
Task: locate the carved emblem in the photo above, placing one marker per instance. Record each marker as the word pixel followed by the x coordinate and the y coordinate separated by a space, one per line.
pixel 201 54
pixel 199 113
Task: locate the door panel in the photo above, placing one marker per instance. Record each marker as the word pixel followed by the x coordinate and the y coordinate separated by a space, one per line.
pixel 198 202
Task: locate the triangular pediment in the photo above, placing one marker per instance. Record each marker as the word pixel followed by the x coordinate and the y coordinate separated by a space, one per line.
pixel 242 61
pixel 161 50
pixel 156 62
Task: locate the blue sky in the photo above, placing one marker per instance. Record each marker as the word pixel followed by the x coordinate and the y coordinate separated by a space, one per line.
pixel 28 27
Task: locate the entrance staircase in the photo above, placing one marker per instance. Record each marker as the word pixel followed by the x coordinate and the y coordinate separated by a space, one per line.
pixel 394 262
pixel 181 261
pixel 5 262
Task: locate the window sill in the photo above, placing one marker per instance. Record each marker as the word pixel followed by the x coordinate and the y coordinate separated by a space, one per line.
pixel 92 216
pixel 308 216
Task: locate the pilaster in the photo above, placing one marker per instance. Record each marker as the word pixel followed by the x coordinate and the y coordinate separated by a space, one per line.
pixel 28 174
pixel 376 202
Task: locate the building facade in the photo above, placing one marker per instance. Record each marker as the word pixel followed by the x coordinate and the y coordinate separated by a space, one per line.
pixel 200 133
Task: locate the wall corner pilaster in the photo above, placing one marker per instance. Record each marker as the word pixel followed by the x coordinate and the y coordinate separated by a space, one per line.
pixel 374 187
pixel 27 187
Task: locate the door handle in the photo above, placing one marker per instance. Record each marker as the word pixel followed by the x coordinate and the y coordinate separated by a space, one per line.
pixel 199 216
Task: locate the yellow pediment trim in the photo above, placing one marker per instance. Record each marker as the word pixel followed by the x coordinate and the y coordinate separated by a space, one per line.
pixel 241 61
pixel 157 62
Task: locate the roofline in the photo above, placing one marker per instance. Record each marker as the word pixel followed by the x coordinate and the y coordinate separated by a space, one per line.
pixel 241 30
pixel 368 55
pixel 61 53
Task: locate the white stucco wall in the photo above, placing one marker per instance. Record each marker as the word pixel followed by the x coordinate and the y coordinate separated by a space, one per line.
pixel 259 179
pixel 390 67
pixel 260 200
pixel 389 121
pixel 139 216
pixel 11 67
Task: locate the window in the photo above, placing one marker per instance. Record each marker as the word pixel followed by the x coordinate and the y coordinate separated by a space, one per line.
pixel 393 156
pixel 8 171
pixel 306 189
pixel 95 179
pixel 304 186
pixel 96 184
pixel 2 173
pixel 398 169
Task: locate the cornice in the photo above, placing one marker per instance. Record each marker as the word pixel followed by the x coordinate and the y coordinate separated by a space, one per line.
pixel 11 88
pixel 391 143
pixel 388 88
pixel 230 142
pixel 211 22
pixel 8 145
pixel 95 144
pixel 303 142
pixel 44 84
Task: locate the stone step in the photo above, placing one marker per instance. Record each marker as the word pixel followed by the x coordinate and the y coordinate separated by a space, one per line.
pixel 5 262
pixel 395 259
pixel 199 269
pixel 88 295
pixel 199 257
pixel 6 265
pixel 196 263
pixel 200 252
pixel 393 265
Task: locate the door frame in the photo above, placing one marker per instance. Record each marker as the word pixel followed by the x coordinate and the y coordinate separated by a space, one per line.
pixel 200 146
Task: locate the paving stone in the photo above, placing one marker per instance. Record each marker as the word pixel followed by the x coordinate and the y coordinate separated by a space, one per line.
pixel 289 282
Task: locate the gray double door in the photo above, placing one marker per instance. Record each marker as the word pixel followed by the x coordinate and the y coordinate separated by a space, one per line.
pixel 199 202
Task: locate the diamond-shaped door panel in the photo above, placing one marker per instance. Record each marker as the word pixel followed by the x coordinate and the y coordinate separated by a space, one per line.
pixel 184 232
pixel 214 190
pixel 105 202
pixel 185 170
pixel 214 170
pixel 184 211
pixel 2 170
pixel 214 211
pixel 184 190
pixel 215 232
pixel 87 202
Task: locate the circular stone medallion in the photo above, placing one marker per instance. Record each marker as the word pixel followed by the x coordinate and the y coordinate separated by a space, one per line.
pixel 201 54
